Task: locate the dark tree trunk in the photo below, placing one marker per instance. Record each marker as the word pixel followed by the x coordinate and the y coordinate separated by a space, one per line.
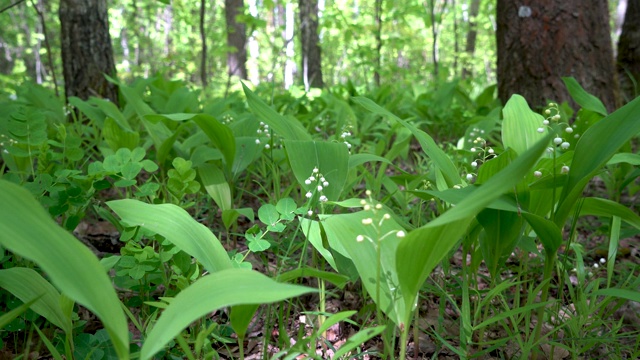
pixel 87 53
pixel 540 42
pixel 203 38
pixel 472 35
pixel 236 38
pixel 310 40
pixel 629 52
pixel 378 34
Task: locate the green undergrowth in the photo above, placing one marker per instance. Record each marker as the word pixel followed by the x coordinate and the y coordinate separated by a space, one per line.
pixel 271 206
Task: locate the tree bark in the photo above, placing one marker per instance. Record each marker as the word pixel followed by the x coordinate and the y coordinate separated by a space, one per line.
pixel 87 53
pixel 472 35
pixel 203 38
pixel 236 39
pixel 378 35
pixel 545 40
pixel 628 65
pixel 310 40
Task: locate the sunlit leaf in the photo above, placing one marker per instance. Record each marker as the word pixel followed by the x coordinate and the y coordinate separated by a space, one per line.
pixel 224 288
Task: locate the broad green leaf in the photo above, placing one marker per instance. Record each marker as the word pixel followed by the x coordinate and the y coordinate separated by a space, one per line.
pixel 583 98
pixel 633 159
pixel 502 230
pixel 288 128
pixel 423 249
pixel 268 214
pixel 334 319
pixel 216 185
pixel 437 155
pixel 177 226
pixel 221 289
pixel 595 147
pixel 27 284
pixel 359 159
pixel 240 318
pixel 158 131
pixel 70 265
pixel 631 295
pixel 608 208
pixel 286 207
pixel 89 111
pixel 345 229
pixel 259 245
pixel 117 137
pixel 9 316
pixel 311 230
pixel 520 125
pixel 331 160
pixel 548 232
pixel 302 272
pixel 219 134
pixel 247 151
pixel 358 339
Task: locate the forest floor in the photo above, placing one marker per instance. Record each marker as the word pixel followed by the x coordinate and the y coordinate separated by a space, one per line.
pixel 102 237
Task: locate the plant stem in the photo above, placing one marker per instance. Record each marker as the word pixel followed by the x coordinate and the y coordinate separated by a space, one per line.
pixel 548 273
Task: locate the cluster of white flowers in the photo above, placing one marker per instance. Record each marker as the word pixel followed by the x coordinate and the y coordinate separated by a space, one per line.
pixel 370 205
pixel 320 183
pixel 264 131
pixel 6 141
pixel 344 136
pixel 553 115
pixel 479 149
pixel 227 119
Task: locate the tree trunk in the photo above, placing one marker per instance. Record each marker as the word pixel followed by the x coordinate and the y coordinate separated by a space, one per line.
pixel 203 39
pixel 472 35
pixel 310 40
pixel 540 43
pixel 378 35
pixel 628 65
pixel 87 53
pixel 236 38
pixel 289 48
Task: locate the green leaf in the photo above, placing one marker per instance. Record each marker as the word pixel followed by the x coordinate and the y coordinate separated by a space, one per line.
pixel 27 284
pixel 548 232
pixel 116 137
pixel 9 316
pixel 216 185
pixel 437 155
pixel 286 207
pixel 331 160
pixel 502 230
pixel 631 295
pixel 520 125
pixel 595 147
pixel 423 249
pixel 345 229
pixel 209 293
pixel 177 226
pixel 287 127
pixel 311 230
pixel 358 339
pixel 70 265
pixel 336 279
pixel 219 134
pixel 268 214
pixel 359 159
pixel 258 245
pixel 583 98
pixel 629 158
pixel 608 208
